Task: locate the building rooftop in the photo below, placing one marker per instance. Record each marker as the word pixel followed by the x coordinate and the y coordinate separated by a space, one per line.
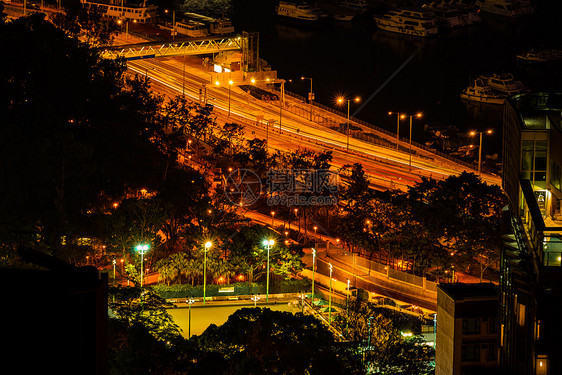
pixel 538 110
pixel 460 291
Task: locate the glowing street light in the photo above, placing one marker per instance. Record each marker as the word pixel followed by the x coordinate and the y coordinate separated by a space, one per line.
pixel 347 310
pixel 142 249
pixel 208 244
pixel 267 243
pixel 255 298
pixel 313 272
pixel 272 215
pixel 399 117
pixel 472 134
pixel 343 100
pixel 417 115
pixel 310 95
pixel 330 303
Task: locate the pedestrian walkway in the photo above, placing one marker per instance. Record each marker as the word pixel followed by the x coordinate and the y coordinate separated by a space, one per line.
pixel 345 267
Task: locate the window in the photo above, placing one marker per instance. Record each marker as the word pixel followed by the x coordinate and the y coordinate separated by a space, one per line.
pixel 493 325
pixel 492 353
pixel 470 326
pixel 470 353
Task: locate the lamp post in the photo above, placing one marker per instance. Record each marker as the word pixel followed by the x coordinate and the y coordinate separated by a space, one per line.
pixel 340 101
pixel 330 299
pixel 369 339
pixel 418 115
pixel 208 244
pixel 229 85
pixel 398 118
pixel 189 301
pixel 267 243
pixel 255 298
pixel 302 297
pixel 142 249
pixel 114 263
pixel 310 95
pixel 472 134
pixel 347 311
pixel 313 272
pixel 272 215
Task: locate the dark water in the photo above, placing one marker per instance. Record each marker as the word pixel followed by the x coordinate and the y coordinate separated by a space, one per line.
pixel 357 59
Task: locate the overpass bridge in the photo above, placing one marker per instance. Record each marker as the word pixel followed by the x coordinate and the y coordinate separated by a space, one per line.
pixel 198 46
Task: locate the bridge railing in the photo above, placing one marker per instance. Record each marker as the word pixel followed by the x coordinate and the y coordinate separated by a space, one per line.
pixel 391 142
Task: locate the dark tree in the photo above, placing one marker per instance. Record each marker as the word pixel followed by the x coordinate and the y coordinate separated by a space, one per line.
pixel 261 341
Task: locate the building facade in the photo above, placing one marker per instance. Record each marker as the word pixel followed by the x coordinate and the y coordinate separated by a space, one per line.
pixel 467 329
pixel 531 272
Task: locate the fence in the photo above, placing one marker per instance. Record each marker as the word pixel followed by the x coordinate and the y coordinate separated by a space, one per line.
pixel 392 142
pixel 383 270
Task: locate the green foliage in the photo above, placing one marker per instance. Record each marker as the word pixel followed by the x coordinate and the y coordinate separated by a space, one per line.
pixel 240 288
pixel 142 306
pixel 258 341
pixel 389 351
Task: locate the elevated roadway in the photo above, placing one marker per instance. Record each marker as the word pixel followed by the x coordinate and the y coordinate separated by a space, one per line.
pixel 387 167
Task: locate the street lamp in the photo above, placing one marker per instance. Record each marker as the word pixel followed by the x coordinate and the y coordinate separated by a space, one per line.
pixel 340 101
pixel 255 298
pixel 310 95
pixel 347 310
pixel 229 86
pixel 399 117
pixel 208 244
pixel 268 243
pixel 313 272
pixel 302 297
pixel 330 299
pixel 472 134
pixel 272 215
pixel 189 301
pixel 142 249
pixel 114 263
pixel 369 339
pixel 417 115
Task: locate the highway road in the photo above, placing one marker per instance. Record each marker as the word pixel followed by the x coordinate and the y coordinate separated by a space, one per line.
pixel 386 167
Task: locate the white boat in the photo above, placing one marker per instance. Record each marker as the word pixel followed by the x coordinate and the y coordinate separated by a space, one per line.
pixel 546 56
pixel 480 92
pixel 468 11
pixel 300 10
pixel 509 8
pixel 191 28
pixel 216 26
pixel 343 17
pixel 222 26
pixel 448 17
pixel 357 5
pixel 417 22
pixel 123 11
pixel 504 83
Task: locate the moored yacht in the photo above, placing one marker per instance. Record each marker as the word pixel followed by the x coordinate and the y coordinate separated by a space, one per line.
pixel 468 11
pixel 482 93
pixel 510 8
pixel 446 16
pixel 417 22
pixel 544 56
pixel 299 10
pixel 504 83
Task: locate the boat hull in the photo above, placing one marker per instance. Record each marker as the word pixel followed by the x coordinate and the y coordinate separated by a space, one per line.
pixel 482 99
